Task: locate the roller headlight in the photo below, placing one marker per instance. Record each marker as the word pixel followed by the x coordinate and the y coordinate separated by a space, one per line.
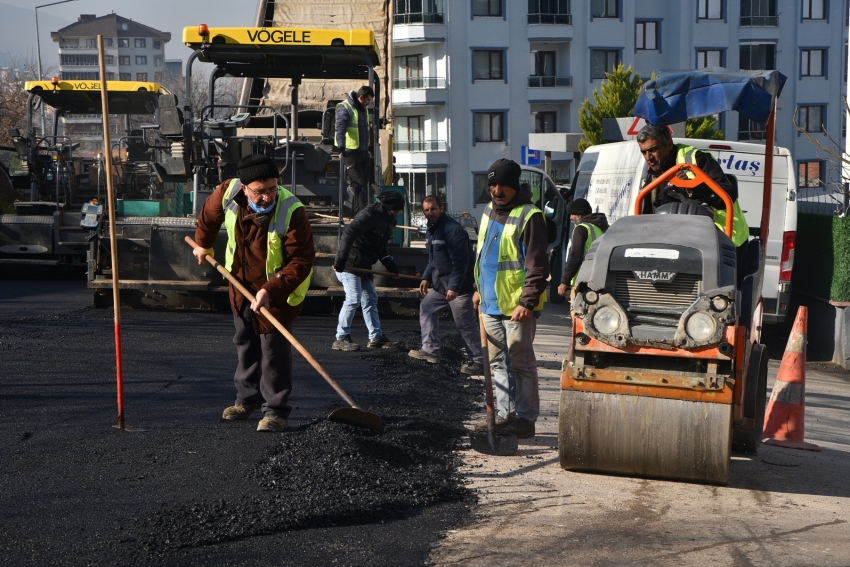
pixel 606 320
pixel 719 303
pixel 700 326
pixel 591 297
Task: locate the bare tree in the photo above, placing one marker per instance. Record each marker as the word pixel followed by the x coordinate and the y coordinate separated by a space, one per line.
pixel 13 97
pixel 226 91
pixel 833 185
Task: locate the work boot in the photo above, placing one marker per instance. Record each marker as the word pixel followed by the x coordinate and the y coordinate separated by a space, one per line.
pixel 240 411
pixel 272 422
pixel 345 344
pixel 501 422
pixel 381 342
pixel 520 427
pixel 422 354
pixel 472 369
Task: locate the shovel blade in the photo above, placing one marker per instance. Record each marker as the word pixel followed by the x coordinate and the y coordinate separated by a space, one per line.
pixel 497 445
pixel 357 417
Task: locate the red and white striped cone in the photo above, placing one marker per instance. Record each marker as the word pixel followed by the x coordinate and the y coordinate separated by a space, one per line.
pixel 786 410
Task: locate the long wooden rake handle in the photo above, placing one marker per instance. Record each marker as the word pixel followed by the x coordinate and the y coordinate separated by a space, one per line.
pixel 389 274
pixel 298 346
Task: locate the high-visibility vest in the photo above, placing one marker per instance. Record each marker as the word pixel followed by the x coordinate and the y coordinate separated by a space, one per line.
pixel 286 204
pixel 510 273
pixel 593 232
pixel 352 133
pixel 740 228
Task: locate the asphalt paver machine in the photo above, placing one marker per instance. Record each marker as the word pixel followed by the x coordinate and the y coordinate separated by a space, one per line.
pixel 667 371
pixel 206 148
pixel 54 227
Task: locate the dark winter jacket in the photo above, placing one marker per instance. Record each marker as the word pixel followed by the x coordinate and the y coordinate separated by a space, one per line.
pixel 701 192
pixel 577 243
pixel 451 261
pixel 343 118
pixel 366 239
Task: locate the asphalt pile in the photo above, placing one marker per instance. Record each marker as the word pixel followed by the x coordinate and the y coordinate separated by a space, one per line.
pixel 328 474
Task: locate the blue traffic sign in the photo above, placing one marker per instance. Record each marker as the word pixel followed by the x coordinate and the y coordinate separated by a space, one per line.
pixel 529 156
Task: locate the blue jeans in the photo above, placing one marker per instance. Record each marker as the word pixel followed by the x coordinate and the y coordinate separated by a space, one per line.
pixel 513 366
pixel 358 290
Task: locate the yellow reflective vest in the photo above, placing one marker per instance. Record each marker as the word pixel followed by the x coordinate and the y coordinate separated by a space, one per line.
pixel 286 204
pixel 510 273
pixel 740 229
pixel 593 232
pixel 352 133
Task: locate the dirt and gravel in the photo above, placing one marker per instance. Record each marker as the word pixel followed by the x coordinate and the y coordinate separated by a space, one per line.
pixel 183 487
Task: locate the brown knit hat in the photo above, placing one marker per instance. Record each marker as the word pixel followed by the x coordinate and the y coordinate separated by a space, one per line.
pixel 257 166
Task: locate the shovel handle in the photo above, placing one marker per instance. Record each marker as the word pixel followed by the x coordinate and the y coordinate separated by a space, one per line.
pixel 390 274
pixel 488 382
pixel 273 320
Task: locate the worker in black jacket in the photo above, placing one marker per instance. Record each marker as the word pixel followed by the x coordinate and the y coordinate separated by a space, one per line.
pixel 451 279
pixel 589 226
pixel 364 242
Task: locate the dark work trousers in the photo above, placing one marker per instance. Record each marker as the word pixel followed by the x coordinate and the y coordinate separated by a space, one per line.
pixel 357 173
pixel 264 367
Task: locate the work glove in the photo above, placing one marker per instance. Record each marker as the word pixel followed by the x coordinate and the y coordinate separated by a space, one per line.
pixel 343 153
pixel 390 264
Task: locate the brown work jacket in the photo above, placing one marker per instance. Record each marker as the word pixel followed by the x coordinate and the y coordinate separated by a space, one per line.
pixel 249 259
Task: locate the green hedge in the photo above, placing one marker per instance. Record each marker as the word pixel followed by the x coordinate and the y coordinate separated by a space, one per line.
pixel 822 257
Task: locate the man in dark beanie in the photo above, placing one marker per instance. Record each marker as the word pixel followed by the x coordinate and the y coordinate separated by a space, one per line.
pixel 353 135
pixel 270 249
pixel 588 227
pixel 511 273
pixel 364 242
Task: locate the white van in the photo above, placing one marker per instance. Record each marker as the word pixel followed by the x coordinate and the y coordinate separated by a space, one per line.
pixel 611 175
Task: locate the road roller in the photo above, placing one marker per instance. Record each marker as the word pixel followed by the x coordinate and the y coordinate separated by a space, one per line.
pixel 666 372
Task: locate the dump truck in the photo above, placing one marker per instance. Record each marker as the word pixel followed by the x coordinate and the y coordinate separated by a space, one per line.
pixel 667 371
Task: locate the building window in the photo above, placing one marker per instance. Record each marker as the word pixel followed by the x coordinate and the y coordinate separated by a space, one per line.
pixel 110 59
pixel 646 36
pixel 123 59
pixel 709 58
pixel 604 61
pixel 141 59
pixel 79 60
pixel 418 12
pixel 756 56
pixel 91 43
pixel 418 185
pixel 710 9
pixel 487 65
pixel 749 130
pixel 810 118
pixel 141 76
pixel 123 42
pixel 810 173
pixel 107 42
pixel 544 64
pixel 408 133
pixel 549 12
pixel 139 42
pixel 157 44
pixel 157 61
pixel 605 8
pixel 482 189
pixel 811 62
pixel 758 13
pixel 487 8
pixel 408 72
pixel 124 77
pixel 545 122
pixel 814 9
pixel 157 76
pixel 489 127
pixel 110 76
pixel 79 76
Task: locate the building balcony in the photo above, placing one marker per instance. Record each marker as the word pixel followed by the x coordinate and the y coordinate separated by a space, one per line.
pixel 88 47
pixel 424 153
pixel 424 91
pixel 550 89
pixel 759 21
pixel 549 27
pixel 420 146
pixel 420 27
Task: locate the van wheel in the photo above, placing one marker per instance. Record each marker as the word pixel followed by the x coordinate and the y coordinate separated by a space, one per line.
pixel 556 270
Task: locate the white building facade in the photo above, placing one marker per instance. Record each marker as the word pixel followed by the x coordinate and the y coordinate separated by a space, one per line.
pixel 472 78
pixel 133 51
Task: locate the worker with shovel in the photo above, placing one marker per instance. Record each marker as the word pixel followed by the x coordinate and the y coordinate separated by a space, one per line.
pixel 270 249
pixel 511 273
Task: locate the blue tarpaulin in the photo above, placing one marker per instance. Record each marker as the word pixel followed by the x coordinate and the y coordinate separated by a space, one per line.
pixel 682 95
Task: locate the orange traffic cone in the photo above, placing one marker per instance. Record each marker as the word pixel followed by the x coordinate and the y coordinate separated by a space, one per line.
pixel 784 419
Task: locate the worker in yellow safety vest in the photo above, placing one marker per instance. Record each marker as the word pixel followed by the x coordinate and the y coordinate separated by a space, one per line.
pixel 659 151
pixel 353 134
pixel 270 249
pixel 589 227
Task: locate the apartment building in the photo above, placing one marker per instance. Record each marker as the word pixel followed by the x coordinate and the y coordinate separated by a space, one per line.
pixel 133 51
pixel 472 78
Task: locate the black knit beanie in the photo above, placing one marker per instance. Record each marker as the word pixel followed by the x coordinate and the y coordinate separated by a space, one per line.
pixel 504 172
pixel 257 166
pixel 580 207
pixel 392 199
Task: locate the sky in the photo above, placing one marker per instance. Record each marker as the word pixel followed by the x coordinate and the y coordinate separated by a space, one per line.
pixel 17 21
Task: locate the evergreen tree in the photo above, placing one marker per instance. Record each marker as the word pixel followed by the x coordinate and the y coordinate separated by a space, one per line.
pixel 703 128
pixel 616 99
